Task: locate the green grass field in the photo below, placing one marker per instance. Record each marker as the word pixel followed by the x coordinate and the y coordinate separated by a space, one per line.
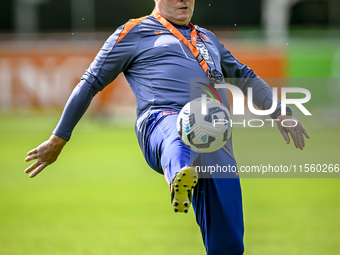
pixel 100 197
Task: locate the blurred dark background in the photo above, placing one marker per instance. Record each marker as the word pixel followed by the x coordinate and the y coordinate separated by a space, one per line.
pixel 95 15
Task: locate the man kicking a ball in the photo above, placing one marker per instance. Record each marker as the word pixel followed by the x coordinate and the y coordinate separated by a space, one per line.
pixel 159 54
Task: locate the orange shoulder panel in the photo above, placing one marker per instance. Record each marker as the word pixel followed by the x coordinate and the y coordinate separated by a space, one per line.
pixel 128 26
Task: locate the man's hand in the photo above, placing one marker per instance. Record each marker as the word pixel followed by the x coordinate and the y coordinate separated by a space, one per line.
pixel 296 132
pixel 46 153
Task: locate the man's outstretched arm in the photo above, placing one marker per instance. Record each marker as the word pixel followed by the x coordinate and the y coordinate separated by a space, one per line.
pixel 45 154
pixel 245 77
pixel 48 152
pixel 111 60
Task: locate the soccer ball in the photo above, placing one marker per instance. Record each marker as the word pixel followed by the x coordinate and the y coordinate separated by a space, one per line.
pixel 204 133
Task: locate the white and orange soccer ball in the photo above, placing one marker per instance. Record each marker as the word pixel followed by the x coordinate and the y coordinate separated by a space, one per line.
pixel 205 131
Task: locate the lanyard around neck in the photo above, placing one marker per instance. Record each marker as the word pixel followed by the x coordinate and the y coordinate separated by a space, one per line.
pixel 191 46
